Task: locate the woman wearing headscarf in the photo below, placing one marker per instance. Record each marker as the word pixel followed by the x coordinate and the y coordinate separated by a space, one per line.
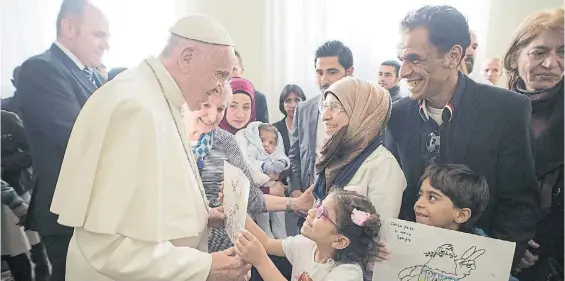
pixel 211 147
pixel 241 110
pixel 534 65
pixel 354 113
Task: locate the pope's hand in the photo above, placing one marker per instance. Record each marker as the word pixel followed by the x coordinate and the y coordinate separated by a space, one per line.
pixel 216 217
pixel 227 266
pixel 250 249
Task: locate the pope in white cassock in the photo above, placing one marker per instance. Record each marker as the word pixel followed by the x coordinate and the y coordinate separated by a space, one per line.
pixel 129 184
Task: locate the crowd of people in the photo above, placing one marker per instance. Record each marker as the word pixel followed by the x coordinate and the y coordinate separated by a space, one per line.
pixel 118 175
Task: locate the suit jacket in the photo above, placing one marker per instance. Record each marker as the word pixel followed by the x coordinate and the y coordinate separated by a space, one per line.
pixel 261 110
pixel 489 132
pixel 283 130
pixel 302 152
pixel 50 93
pixel 281 127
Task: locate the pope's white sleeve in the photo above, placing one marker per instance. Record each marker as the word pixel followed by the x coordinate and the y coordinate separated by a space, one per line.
pixel 123 258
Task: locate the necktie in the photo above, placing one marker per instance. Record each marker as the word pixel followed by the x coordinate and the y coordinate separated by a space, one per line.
pixel 88 73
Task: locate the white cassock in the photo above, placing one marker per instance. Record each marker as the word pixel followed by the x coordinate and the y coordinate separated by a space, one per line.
pixel 130 187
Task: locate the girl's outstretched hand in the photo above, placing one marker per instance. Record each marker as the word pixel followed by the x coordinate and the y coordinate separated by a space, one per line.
pixel 250 249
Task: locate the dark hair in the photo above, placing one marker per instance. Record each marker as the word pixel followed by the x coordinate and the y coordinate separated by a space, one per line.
pixel 114 72
pixel 270 128
pixel 239 58
pixel 465 188
pixel 394 64
pixel 287 90
pixel 363 240
pixel 335 49
pixel 446 26
pixel 69 7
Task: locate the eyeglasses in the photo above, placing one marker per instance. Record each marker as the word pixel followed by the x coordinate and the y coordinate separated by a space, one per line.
pixel 334 108
pixel 293 101
pixel 433 145
pixel 322 212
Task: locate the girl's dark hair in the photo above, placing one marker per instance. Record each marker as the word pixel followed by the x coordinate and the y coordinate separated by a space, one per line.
pixel 290 88
pixel 363 240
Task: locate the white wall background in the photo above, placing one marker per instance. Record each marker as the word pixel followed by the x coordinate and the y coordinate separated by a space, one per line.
pixel 277 38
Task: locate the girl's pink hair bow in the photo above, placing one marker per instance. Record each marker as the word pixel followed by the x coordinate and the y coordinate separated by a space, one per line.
pixel 359 217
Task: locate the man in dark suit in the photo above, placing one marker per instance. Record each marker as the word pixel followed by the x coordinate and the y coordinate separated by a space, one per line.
pixel 449 118
pixel 52 88
pixel 261 110
pixel 333 61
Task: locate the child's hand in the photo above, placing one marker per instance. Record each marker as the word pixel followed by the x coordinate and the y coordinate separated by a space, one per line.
pixel 383 251
pixel 250 249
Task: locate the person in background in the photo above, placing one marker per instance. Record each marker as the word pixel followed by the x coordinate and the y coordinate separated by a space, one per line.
pixel 15 244
pixel 450 119
pixel 534 65
pixel 260 110
pixel 51 90
pixel 333 61
pixel 17 172
pixel 469 61
pixel 389 79
pixel 8 103
pixel 492 70
pixel 262 145
pixel 114 72
pixel 291 96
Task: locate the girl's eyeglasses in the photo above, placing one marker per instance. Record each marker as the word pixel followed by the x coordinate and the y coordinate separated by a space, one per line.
pixel 322 212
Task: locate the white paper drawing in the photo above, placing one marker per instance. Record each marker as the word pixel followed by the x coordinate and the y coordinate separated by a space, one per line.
pixel 423 253
pixel 236 196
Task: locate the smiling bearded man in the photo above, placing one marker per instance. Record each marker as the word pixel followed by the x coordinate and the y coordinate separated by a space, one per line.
pixel 129 185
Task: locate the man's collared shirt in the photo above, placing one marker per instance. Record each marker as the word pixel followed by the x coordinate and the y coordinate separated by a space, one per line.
pixel 72 56
pixel 431 126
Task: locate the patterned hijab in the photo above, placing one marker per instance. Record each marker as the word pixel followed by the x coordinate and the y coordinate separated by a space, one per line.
pixel 240 86
pixel 368 107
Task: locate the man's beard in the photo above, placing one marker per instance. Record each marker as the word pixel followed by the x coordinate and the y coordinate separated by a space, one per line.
pixel 469 63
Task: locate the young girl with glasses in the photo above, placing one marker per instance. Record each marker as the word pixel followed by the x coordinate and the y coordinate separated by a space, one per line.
pixel 338 238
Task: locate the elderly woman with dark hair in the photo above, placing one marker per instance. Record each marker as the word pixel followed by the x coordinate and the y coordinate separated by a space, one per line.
pixel 291 96
pixel 534 64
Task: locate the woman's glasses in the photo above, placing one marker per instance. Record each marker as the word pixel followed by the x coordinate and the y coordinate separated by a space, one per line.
pixel 322 212
pixel 334 108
